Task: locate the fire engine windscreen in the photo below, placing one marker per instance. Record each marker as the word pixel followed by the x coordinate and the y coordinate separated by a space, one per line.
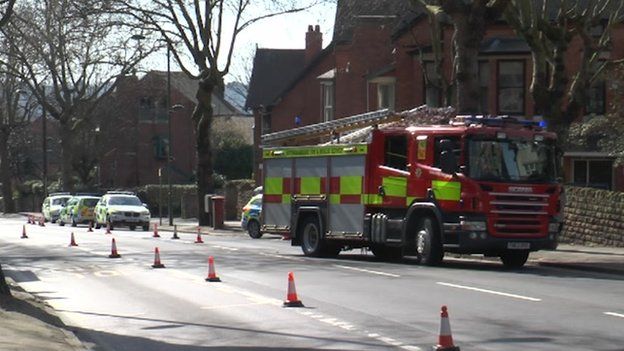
pixel 512 160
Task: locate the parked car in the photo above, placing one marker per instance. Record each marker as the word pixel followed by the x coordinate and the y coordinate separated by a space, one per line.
pixel 79 209
pixel 52 206
pixel 120 208
pixel 250 218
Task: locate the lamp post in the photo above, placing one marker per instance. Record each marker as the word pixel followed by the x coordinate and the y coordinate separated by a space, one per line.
pixel 45 146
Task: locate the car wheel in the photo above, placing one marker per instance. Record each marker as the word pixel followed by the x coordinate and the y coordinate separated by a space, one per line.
pixel 514 259
pixel 73 222
pixel 253 228
pixel 387 253
pixel 53 221
pixel 61 223
pixel 428 245
pixel 132 227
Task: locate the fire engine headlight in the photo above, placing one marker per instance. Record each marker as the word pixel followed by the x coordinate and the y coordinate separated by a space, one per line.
pixel 473 226
pixel 553 227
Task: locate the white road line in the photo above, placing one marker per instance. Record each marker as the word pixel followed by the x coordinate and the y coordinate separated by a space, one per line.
pixel 490 292
pixel 368 271
pixel 281 256
pixel 614 314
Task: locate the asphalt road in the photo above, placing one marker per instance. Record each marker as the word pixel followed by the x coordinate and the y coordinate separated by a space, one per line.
pixel 354 302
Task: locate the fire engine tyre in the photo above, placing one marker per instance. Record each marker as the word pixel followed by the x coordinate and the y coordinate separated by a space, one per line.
pixel 132 227
pixel 514 259
pixel 312 242
pixel 428 245
pixel 253 229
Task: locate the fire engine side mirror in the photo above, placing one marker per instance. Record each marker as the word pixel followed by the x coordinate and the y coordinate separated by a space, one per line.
pixel 448 162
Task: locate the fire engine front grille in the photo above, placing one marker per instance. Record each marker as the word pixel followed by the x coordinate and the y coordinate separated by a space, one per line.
pixel 519 214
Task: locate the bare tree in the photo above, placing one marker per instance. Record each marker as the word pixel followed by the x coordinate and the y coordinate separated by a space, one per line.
pixel 205 31
pixel 77 50
pixel 470 19
pixel 549 27
pixel 6 10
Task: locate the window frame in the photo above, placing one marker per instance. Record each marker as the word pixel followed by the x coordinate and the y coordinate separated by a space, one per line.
pixel 499 88
pixel 327 111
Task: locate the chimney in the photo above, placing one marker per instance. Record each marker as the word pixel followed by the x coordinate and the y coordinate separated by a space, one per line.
pixel 314 43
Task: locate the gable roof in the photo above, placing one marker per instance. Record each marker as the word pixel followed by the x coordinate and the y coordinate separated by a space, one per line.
pixel 349 12
pixel 188 88
pixel 273 70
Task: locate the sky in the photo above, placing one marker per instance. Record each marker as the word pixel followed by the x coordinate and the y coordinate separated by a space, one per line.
pixel 280 32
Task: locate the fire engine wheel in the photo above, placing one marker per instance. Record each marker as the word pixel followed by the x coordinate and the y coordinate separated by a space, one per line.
pixel 312 242
pixel 387 253
pixel 428 245
pixel 132 227
pixel 514 259
pixel 253 228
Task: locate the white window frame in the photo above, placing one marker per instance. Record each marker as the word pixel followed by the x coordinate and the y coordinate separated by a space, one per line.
pixel 327 100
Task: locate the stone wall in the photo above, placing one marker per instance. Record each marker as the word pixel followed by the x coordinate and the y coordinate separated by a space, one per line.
pixel 593 217
pixel 237 194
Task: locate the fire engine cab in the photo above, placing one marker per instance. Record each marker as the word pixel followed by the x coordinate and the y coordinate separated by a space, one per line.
pixel 399 186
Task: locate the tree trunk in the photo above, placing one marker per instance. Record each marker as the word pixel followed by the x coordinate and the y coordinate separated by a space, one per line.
pixel 66 157
pixel 202 119
pixel 5 173
pixel 469 32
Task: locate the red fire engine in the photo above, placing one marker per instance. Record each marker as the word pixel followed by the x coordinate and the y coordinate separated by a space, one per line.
pixel 398 187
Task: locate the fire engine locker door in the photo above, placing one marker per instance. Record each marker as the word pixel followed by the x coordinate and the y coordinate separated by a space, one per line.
pixel 346 208
pixel 277 192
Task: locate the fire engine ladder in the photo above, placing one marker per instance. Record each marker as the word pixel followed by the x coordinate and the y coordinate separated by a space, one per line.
pixel 331 127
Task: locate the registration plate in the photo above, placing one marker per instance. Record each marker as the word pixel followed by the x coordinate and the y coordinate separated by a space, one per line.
pixel 518 246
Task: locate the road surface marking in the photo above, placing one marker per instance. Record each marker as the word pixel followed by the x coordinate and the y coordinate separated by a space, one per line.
pixel 234 305
pixel 225 247
pixel 490 292
pixel 614 314
pixel 281 256
pixel 368 271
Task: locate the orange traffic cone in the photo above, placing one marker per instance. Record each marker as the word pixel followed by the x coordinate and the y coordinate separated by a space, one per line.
pixel 212 276
pixel 291 297
pixel 155 231
pixel 28 218
pixel 445 339
pixel 24 236
pixel 199 238
pixel 90 227
pixel 114 253
pixel 108 230
pixel 72 242
pixel 157 263
pixel 175 232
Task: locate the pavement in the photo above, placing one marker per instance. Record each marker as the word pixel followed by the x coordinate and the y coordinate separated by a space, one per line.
pixel 30 324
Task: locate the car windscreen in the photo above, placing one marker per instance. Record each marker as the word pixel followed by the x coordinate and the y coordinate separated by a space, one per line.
pixel 90 202
pixel 60 201
pixel 125 200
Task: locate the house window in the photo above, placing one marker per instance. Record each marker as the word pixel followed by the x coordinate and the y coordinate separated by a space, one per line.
pixel 385 95
pixel 266 123
pixel 433 91
pixel 327 96
pixel 146 108
pixel 596 94
pixel 484 83
pixel 593 173
pixel 161 146
pixel 511 87
pixel 395 153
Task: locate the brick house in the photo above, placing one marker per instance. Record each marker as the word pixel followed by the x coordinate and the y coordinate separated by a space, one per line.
pixel 377 59
pixel 133 130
